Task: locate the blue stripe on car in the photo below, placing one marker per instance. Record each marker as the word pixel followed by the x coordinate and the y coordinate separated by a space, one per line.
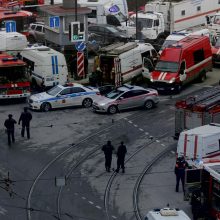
pixel 56 64
pixel 53 67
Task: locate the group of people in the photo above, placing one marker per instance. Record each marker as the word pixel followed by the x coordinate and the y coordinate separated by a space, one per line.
pixel 108 150
pixel 24 119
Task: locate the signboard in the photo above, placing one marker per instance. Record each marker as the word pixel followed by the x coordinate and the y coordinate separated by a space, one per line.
pixel 10 26
pixel 76 32
pixel 80 46
pixel 54 22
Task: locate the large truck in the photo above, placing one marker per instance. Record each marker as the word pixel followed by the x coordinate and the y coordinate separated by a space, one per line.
pixel 14 83
pixel 164 17
pixel 123 62
pixel 197 110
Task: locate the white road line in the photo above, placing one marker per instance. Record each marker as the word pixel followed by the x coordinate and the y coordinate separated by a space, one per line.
pixel 114 217
pixel 161 111
pixel 76 194
pixel 83 197
pixel 135 125
pixel 141 129
pixel 125 119
pixel 170 119
pixel 172 152
pixel 98 207
pixel 157 141
pixel 130 122
pixel 91 202
pixel 163 145
pixel 146 133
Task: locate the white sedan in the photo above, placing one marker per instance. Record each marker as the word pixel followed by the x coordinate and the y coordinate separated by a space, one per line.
pixel 72 94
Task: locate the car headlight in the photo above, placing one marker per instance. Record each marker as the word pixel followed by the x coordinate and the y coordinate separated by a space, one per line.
pixel 36 101
pixel 151 79
pixel 172 80
pixel 102 104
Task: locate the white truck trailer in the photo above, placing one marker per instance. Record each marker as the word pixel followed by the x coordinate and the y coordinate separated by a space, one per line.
pixel 197 110
pixel 164 17
pixel 46 67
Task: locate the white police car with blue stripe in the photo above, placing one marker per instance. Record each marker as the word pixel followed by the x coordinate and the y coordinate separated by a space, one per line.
pixel 71 94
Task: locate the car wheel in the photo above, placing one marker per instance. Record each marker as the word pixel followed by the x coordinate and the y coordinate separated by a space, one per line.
pixel 148 104
pixel 87 103
pixel 112 109
pixel 46 107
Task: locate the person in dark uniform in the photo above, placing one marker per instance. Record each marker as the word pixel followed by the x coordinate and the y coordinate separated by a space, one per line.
pixel 180 167
pixel 122 150
pixel 25 118
pixel 10 126
pixel 108 150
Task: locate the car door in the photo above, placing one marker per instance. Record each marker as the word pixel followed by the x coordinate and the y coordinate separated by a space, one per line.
pixel 63 98
pixel 139 97
pixel 77 96
pixel 125 101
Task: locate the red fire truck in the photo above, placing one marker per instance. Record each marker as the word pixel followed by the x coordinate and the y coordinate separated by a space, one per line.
pixel 22 19
pixel 13 80
pixel 202 186
pixel 201 109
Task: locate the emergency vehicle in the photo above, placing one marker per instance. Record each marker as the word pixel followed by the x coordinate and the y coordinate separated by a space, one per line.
pixel 216 52
pixel 22 19
pixel 13 80
pixel 166 214
pixel 46 67
pixel 181 63
pixel 202 185
pixel 197 110
pixel 199 142
pixel 123 62
pixel 12 42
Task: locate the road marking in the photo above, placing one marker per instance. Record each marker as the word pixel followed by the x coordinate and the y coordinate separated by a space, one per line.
pixel 130 122
pixel 146 133
pixel 141 129
pixel 91 202
pixel 83 197
pixel 170 119
pixel 135 125
pixel 76 194
pixel 114 217
pixel 125 119
pixel 163 145
pixel 172 152
pixel 157 141
pixel 98 207
pixel 161 111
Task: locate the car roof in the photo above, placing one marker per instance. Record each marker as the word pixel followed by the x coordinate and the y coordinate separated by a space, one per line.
pixel 127 87
pixel 71 85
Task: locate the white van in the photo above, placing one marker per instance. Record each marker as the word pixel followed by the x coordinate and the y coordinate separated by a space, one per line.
pixel 166 214
pixel 46 67
pixel 12 42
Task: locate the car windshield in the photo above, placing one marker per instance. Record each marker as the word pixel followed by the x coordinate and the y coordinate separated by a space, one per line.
pixel 145 22
pixel 54 91
pixel 113 94
pixel 217 43
pixel 167 66
pixel 113 30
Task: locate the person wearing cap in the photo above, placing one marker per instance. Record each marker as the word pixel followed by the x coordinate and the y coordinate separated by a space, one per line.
pixel 10 126
pixel 25 118
pixel 122 150
pixel 108 150
pixel 179 170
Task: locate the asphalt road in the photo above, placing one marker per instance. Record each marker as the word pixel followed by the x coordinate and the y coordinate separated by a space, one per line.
pixel 67 143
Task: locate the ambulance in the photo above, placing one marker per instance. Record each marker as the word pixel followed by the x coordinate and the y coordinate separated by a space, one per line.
pixel 46 67
pixel 181 63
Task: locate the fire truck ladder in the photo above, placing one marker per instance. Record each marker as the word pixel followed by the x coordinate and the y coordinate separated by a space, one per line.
pixel 207 99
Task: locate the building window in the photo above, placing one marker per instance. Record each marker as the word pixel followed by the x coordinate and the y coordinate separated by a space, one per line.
pixel 199 8
pixel 183 12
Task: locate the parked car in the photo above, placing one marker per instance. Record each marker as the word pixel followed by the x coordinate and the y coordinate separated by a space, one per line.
pixel 63 96
pixel 36 32
pixel 126 97
pixel 109 33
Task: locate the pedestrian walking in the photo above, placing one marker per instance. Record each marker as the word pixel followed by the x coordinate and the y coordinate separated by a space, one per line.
pixel 122 150
pixel 180 167
pixel 108 150
pixel 25 118
pixel 10 126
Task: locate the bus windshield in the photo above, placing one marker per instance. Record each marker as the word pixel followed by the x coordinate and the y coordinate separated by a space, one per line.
pixel 167 66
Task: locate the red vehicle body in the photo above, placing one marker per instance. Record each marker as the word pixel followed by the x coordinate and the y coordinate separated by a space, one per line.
pixel 13 80
pixel 11 3
pixel 22 19
pixel 181 63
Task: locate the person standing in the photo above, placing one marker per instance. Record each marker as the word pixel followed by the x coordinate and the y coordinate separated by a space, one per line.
pixel 179 170
pixel 122 150
pixel 25 118
pixel 108 150
pixel 10 126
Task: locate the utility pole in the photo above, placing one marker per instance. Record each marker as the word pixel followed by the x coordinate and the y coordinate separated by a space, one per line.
pixel 136 21
pixel 76 10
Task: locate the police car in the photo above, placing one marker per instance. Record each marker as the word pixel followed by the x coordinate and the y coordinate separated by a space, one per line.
pixel 63 96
